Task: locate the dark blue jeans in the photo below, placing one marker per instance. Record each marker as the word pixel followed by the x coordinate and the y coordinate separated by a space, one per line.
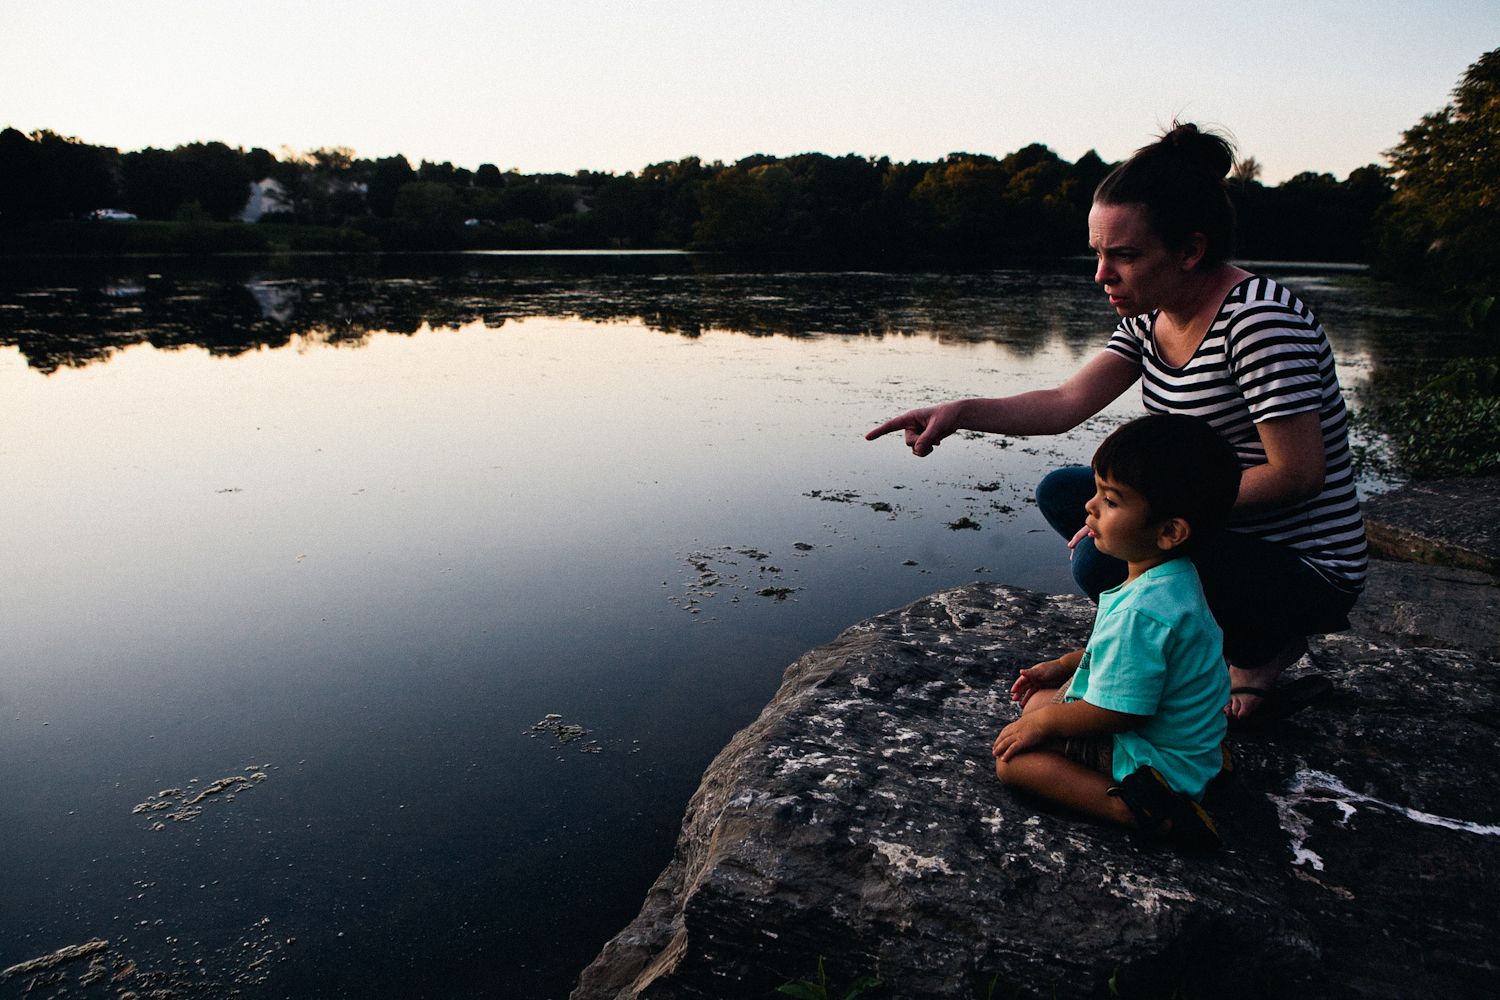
pixel 1262 594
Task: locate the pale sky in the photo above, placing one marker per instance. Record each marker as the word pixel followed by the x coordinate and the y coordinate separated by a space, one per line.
pixel 563 85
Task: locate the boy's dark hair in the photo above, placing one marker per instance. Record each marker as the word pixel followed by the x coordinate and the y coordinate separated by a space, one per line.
pixel 1180 465
pixel 1180 180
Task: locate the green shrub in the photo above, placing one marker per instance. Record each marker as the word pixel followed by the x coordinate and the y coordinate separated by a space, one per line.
pixel 1446 425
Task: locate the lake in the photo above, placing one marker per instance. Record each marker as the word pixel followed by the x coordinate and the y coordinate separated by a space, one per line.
pixel 369 621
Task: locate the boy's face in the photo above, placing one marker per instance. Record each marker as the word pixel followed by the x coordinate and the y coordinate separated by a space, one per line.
pixel 1120 522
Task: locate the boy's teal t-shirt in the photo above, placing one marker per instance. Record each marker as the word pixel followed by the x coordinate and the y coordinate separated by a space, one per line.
pixel 1157 651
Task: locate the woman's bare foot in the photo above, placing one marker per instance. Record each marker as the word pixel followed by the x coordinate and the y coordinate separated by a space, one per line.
pixel 1262 676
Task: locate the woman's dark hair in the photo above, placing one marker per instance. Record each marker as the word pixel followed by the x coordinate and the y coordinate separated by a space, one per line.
pixel 1180 465
pixel 1180 180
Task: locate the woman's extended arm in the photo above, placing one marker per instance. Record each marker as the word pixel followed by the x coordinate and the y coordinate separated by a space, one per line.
pixel 1041 411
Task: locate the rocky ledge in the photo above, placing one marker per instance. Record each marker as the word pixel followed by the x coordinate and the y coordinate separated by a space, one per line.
pixel 858 821
pixel 1446 522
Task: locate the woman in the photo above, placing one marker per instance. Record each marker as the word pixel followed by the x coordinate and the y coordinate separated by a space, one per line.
pixel 1210 339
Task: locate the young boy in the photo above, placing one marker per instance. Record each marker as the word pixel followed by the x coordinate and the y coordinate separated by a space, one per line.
pixel 1130 729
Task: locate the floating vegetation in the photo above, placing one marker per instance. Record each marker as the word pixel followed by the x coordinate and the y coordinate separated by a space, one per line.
pixel 71 953
pixel 993 440
pixel 964 523
pixel 185 806
pixel 101 968
pixel 850 496
pixel 110 973
pixel 723 568
pixel 986 487
pixel 780 593
pixel 565 733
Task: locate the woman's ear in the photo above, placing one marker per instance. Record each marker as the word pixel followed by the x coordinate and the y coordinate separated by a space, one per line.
pixel 1173 533
pixel 1194 250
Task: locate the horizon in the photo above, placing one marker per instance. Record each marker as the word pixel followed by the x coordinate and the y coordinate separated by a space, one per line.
pixel 583 87
pixel 284 154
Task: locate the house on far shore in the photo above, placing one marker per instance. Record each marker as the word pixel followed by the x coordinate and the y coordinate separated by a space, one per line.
pixel 266 195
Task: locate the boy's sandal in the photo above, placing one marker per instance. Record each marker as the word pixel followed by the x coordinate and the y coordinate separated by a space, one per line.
pixel 1280 702
pixel 1164 815
pixel 1226 769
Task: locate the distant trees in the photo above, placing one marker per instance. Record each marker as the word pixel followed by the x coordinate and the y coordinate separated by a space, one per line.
pixel 958 201
pixel 384 178
pixel 1442 228
pixel 1245 170
pixel 1440 231
pixel 49 176
pixel 811 202
pixel 199 180
pixel 1310 216
pixel 1028 203
pixel 433 211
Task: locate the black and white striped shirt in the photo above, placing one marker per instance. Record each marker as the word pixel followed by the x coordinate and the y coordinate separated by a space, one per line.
pixel 1265 356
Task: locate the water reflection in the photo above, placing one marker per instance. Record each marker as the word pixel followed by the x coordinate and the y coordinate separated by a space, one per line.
pixel 231 309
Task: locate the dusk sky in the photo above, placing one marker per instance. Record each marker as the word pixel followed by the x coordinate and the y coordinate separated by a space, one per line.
pixel 568 85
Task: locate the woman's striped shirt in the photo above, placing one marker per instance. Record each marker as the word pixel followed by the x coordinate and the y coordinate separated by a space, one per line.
pixel 1265 356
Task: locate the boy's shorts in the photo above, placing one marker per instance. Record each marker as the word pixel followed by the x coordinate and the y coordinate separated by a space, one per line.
pixel 1097 753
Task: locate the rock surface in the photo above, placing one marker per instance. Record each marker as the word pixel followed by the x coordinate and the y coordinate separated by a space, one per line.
pixel 859 819
pixel 1432 582
pixel 1448 522
pixel 1409 604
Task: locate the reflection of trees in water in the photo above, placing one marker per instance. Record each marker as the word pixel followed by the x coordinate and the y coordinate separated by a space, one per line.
pixel 59 325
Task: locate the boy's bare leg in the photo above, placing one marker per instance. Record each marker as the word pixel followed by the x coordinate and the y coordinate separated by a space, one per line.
pixel 1043 696
pixel 1052 776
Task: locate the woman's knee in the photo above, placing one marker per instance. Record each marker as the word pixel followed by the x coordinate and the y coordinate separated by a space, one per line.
pixel 1265 597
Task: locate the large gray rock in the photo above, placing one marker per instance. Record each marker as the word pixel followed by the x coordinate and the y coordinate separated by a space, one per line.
pixel 1446 522
pixel 1411 604
pixel 859 819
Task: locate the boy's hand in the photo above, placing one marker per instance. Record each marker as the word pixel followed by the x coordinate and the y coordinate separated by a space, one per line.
pixel 1047 674
pixel 1028 731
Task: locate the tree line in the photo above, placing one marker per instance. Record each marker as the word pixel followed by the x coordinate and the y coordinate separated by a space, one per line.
pixel 1431 216
pixel 1029 203
pixel 1440 232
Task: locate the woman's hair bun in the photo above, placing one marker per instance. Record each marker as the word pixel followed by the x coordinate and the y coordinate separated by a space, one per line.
pixel 1180 178
pixel 1208 151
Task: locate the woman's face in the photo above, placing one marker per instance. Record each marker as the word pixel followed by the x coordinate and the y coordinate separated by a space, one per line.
pixel 1137 270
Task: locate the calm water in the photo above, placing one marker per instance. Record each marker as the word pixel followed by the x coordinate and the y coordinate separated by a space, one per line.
pixel 444 578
